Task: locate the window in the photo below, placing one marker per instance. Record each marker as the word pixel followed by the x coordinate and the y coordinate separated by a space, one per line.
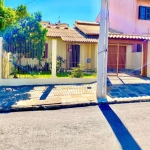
pixel 139 48
pixel 144 12
pixel 45 53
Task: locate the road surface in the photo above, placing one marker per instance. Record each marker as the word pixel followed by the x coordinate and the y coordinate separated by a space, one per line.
pixel 114 127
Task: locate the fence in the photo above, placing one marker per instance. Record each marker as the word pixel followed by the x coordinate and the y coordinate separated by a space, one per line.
pixel 21 70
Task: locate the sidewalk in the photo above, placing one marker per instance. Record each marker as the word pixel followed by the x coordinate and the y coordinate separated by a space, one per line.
pixel 119 90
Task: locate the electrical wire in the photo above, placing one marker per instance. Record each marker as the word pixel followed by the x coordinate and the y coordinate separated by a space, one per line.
pixel 30 2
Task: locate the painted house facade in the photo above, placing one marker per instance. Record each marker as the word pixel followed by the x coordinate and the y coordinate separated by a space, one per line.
pixel 130 16
pixel 79 45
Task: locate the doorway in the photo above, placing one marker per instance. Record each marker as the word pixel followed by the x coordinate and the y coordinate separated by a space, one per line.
pixel 74 56
pixel 116 59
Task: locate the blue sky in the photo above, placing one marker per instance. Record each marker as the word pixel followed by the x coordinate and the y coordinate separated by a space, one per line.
pixel 67 10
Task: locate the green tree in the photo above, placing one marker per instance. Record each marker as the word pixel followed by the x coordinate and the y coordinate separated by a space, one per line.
pixel 9 16
pixel 27 37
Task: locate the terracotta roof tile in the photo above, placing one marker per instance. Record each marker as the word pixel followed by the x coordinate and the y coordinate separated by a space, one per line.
pixel 91 28
pixel 82 40
pixel 88 29
pixel 69 35
pixel 73 35
pixel 127 36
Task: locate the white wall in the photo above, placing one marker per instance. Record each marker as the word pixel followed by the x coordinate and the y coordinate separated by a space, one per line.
pixel 133 59
pixel 136 60
pixel 17 82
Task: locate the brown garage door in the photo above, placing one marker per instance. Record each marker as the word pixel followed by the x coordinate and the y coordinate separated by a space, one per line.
pixel 112 57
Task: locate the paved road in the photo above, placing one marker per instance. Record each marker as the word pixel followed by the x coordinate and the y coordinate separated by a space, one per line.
pixel 114 127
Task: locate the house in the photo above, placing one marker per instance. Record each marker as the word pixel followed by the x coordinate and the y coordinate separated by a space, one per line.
pixel 79 45
pixel 130 16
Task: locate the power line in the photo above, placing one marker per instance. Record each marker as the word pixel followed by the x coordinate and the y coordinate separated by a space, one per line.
pixel 30 2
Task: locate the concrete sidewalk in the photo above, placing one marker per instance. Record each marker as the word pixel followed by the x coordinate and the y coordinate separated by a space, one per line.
pixel 119 90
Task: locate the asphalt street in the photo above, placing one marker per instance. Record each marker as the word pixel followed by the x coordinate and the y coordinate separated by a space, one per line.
pixel 105 127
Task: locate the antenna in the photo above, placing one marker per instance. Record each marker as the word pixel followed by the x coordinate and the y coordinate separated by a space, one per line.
pixel 59 19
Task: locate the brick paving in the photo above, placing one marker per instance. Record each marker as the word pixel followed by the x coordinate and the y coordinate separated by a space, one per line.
pixel 119 89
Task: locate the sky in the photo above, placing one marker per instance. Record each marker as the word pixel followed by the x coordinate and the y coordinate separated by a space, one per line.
pixel 67 10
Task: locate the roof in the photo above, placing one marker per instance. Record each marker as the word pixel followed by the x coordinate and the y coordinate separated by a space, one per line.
pixel 129 36
pixel 69 35
pixel 76 34
pixel 91 28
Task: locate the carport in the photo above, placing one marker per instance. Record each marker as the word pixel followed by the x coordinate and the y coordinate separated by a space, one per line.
pixel 119 57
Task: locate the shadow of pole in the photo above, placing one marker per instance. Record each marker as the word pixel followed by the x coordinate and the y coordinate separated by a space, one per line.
pixel 125 139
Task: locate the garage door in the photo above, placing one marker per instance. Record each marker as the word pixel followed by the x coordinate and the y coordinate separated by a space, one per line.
pixel 112 57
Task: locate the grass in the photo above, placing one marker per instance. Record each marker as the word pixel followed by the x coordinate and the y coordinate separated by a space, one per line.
pixel 68 75
pixel 63 75
pixel 48 75
pixel 32 76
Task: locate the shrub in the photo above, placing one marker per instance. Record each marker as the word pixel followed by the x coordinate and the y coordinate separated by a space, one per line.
pixel 77 72
pixel 46 67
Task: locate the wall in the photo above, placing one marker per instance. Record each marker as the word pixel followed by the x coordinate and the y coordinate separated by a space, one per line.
pixel 88 51
pixel 133 59
pixel 123 16
pixel 148 60
pixel 17 82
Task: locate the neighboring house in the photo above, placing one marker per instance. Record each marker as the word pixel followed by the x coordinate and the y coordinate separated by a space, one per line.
pixel 132 17
pixel 129 16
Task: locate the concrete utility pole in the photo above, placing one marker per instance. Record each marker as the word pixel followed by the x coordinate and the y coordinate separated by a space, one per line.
pixel 103 50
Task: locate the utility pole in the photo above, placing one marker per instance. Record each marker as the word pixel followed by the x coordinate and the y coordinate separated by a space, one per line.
pixel 103 51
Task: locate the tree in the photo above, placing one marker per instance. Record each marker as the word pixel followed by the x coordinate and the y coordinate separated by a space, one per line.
pixel 26 38
pixel 9 16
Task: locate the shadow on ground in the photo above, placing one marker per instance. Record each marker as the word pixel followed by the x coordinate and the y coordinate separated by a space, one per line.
pixel 124 137
pixel 11 95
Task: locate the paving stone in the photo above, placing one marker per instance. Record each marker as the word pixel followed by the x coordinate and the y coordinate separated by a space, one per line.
pixel 76 95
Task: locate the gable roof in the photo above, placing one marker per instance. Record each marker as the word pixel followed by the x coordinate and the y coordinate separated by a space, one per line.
pixel 87 32
pixel 69 35
pixel 91 28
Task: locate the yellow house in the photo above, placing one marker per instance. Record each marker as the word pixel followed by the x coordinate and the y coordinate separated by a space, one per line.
pixel 79 45
pixel 73 46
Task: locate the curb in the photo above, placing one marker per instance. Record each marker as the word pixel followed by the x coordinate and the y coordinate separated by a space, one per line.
pixel 46 107
pixel 65 106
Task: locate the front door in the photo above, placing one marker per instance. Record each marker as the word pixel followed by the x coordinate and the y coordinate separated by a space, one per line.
pixel 74 56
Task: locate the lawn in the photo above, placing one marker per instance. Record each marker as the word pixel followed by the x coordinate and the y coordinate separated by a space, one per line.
pixel 48 75
pixel 68 75
pixel 32 75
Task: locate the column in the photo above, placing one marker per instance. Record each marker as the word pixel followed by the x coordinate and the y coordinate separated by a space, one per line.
pixel 145 53
pixel 96 52
pixel 102 51
pixel 54 57
pixel 1 44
